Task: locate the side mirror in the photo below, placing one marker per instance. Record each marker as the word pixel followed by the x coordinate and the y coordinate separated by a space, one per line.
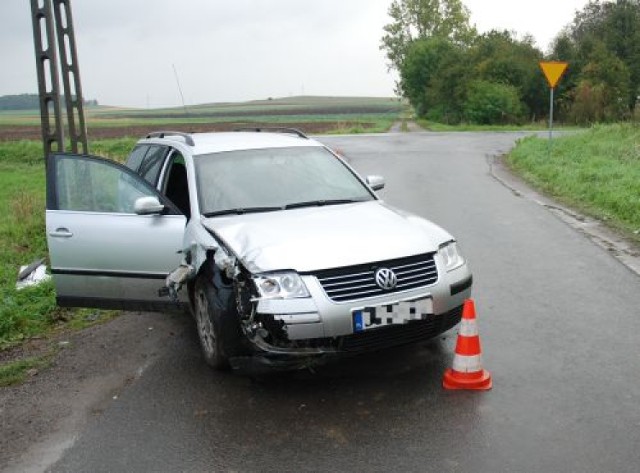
pixel 148 205
pixel 375 182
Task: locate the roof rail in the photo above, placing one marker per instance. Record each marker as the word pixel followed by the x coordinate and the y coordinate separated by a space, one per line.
pixel 273 129
pixel 188 139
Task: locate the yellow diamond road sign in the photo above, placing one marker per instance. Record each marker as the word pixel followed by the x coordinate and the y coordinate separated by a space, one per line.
pixel 553 71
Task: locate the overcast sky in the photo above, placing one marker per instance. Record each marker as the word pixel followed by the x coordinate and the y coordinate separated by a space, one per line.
pixel 236 50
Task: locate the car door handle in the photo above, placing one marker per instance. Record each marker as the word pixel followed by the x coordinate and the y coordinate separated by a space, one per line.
pixel 61 233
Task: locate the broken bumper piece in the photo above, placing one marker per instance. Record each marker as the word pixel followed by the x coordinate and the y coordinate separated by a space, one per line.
pixel 272 358
pixel 270 362
pixel 320 351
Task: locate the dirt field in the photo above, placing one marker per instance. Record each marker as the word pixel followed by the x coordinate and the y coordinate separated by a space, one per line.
pixel 28 132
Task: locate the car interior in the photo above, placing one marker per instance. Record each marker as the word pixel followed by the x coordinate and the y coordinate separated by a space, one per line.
pixel 177 187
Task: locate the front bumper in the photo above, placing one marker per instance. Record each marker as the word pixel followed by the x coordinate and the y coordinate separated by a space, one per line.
pixel 319 329
pixel 315 352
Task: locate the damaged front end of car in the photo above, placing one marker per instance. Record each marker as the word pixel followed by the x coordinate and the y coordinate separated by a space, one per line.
pixel 267 333
pixel 260 316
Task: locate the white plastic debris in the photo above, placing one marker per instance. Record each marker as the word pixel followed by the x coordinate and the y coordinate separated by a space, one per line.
pixel 32 275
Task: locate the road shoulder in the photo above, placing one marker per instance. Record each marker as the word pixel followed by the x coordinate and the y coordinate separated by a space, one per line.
pixel 625 251
pixel 41 417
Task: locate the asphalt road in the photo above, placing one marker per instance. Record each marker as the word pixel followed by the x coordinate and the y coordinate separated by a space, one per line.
pixel 560 328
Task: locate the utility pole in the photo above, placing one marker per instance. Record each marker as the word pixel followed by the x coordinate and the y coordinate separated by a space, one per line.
pixel 53 27
pixel 70 75
pixel 47 68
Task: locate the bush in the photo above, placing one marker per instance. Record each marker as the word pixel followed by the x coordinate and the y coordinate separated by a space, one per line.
pixel 595 103
pixel 490 103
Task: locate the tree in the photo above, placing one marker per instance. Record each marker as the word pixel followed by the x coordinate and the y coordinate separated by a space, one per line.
pixel 614 26
pixel 603 90
pixel 431 76
pixel 20 102
pixel 499 57
pixel 436 76
pixel 29 102
pixel 423 19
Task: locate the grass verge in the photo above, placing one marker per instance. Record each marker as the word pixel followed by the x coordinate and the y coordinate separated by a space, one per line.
pixel 434 126
pixel 32 311
pixel 597 172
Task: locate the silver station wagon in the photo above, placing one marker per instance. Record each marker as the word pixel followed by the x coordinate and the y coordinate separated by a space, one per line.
pixel 284 254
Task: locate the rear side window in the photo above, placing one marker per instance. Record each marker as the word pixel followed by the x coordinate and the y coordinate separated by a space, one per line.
pixel 152 163
pixel 135 158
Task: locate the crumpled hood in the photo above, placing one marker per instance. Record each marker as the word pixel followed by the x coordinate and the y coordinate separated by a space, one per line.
pixel 314 238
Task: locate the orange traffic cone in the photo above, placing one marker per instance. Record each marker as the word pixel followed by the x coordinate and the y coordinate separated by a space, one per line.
pixel 467 372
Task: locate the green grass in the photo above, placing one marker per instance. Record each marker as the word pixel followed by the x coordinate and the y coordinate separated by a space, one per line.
pixel 22 239
pixel 31 311
pixel 347 128
pixel 434 126
pixel 117 149
pixel 15 372
pixel 597 172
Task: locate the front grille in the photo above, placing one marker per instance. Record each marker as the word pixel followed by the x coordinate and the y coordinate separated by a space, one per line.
pixel 358 282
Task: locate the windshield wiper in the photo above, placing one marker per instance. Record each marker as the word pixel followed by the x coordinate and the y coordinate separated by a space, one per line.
pixel 241 211
pixel 315 203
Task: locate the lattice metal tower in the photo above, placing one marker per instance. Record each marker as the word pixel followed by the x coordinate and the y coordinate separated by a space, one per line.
pixel 56 53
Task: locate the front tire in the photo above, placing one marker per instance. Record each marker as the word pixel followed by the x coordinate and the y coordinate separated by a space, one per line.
pixel 208 325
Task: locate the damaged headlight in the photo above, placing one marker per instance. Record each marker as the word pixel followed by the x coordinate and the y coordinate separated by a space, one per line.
pixel 450 255
pixel 287 285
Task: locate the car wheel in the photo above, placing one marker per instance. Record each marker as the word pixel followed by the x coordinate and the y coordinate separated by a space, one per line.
pixel 208 324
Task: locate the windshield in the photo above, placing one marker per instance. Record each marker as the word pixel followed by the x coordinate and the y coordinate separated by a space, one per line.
pixel 274 179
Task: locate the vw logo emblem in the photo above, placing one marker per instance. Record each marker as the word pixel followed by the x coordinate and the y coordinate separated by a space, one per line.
pixel 386 279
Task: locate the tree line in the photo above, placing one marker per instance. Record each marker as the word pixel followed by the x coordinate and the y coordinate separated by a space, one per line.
pixel 29 102
pixel 452 74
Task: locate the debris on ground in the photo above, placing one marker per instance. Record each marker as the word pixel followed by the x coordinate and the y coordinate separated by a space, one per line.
pixel 32 274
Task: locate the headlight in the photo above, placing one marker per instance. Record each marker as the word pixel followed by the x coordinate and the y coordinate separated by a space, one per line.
pixel 287 285
pixel 450 255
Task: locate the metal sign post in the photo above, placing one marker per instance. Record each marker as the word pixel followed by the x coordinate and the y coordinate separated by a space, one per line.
pixel 553 71
pixel 551 120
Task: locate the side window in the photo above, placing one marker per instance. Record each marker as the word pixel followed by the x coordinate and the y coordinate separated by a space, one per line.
pixel 96 186
pixel 152 164
pixel 135 158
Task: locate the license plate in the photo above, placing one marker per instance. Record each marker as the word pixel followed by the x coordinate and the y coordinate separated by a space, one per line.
pixel 391 314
